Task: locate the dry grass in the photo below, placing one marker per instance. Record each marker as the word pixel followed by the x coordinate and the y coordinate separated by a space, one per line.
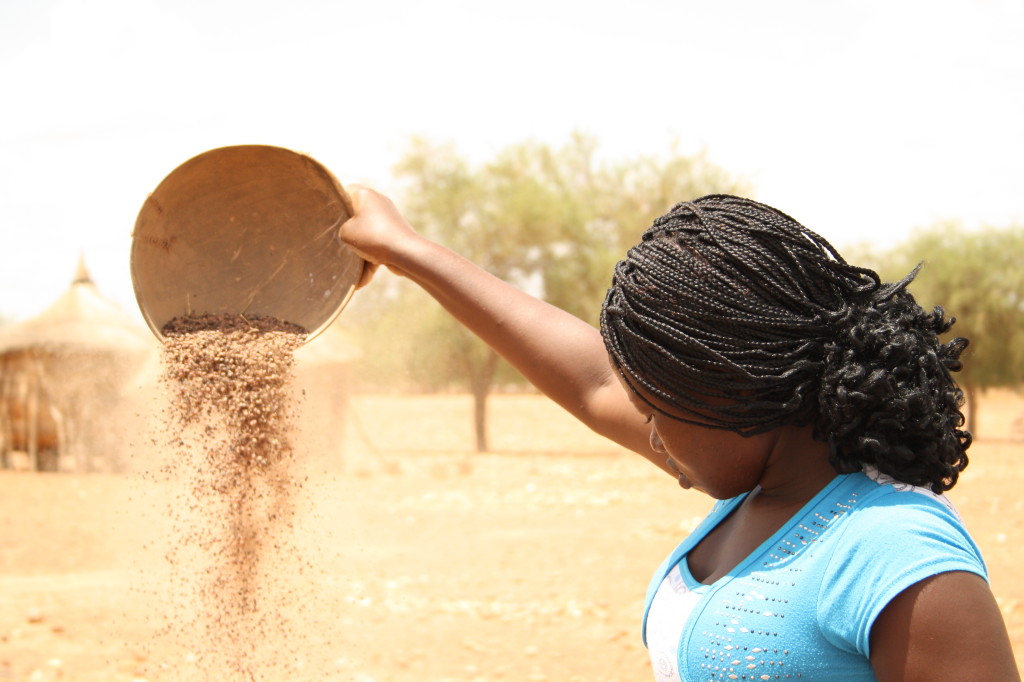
pixel 417 559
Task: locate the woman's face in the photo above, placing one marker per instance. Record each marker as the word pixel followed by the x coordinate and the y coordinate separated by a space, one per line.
pixel 721 463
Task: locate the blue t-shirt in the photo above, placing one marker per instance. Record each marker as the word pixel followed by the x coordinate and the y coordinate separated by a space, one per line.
pixel 801 606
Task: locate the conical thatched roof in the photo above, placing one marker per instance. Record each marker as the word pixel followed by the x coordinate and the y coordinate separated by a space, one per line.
pixel 79 319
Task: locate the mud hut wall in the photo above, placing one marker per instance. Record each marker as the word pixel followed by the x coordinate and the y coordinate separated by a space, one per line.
pixel 91 402
pixel 62 408
pixel 29 421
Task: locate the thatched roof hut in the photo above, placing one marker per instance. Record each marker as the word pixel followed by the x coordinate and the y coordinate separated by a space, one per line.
pixel 61 378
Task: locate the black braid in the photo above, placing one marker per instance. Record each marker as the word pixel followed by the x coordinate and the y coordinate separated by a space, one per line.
pixel 737 317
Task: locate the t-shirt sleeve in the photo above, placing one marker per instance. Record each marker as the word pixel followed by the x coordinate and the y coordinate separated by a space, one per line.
pixel 884 549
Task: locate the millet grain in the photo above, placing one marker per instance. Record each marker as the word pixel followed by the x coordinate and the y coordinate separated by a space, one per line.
pixel 228 379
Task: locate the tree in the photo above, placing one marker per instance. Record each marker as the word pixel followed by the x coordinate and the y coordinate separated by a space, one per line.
pixel 550 220
pixel 976 276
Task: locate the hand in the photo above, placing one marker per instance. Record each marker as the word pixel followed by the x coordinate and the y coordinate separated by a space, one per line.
pixel 375 231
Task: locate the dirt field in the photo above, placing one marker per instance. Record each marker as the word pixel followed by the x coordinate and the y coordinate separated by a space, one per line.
pixel 410 558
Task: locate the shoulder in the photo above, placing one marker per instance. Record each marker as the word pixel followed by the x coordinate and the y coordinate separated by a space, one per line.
pixel 888 488
pixel 891 537
pixel 901 527
pixel 938 592
pixel 881 508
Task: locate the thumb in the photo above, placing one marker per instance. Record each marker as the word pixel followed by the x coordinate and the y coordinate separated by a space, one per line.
pixel 355 193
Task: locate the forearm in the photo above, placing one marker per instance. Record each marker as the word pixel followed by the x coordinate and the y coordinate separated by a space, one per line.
pixel 558 353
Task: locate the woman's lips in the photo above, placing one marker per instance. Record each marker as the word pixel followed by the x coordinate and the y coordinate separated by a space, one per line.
pixel 684 482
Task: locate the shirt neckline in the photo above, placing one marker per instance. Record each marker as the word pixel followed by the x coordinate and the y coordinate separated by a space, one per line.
pixel 728 508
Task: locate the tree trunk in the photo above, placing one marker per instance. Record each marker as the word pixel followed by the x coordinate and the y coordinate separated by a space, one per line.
pixel 481 381
pixel 480 419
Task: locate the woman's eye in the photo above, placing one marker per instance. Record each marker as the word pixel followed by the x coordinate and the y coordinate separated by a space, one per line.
pixel 649 419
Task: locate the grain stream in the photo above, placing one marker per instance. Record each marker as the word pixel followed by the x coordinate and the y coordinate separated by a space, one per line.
pixel 229 423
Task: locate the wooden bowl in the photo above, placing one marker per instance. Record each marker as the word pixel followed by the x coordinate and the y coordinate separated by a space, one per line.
pixel 249 230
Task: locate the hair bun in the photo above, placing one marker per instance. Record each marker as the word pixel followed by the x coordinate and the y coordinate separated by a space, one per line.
pixel 887 397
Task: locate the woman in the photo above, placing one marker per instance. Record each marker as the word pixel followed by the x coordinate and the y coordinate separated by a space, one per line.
pixel 741 354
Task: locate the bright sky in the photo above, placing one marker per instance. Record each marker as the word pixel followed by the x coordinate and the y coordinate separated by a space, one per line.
pixel 861 119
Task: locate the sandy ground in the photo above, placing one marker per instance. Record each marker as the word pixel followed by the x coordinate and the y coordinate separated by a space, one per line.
pixel 408 558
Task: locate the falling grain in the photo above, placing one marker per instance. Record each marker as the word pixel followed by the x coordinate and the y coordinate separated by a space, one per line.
pixel 230 422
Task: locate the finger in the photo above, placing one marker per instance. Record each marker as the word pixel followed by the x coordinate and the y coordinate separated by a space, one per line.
pixel 369 269
pixel 367 258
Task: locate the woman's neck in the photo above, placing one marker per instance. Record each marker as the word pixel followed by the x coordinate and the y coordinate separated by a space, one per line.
pixel 796 470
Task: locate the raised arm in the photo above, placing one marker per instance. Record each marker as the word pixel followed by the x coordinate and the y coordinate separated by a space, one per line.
pixel 558 353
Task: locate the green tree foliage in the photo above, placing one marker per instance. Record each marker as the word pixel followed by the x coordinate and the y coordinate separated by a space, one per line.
pixel 551 220
pixel 977 277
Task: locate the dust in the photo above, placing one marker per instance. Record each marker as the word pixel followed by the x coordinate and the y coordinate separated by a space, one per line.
pixel 232 556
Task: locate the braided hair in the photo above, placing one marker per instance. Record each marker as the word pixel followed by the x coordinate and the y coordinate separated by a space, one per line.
pixel 737 317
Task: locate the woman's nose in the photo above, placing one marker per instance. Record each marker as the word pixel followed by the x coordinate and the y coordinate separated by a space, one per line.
pixel 656 443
